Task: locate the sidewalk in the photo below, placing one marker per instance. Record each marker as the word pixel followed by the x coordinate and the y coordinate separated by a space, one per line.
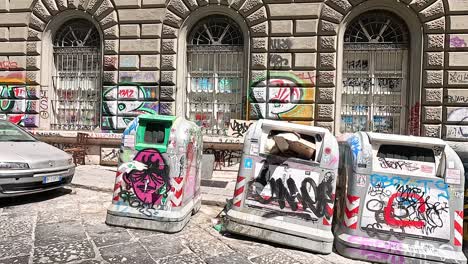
pixel 102 178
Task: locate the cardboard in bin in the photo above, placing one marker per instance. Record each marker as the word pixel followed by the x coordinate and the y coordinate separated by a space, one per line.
pixel 292 142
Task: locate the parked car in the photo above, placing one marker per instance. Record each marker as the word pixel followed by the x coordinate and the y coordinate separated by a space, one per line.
pixel 28 165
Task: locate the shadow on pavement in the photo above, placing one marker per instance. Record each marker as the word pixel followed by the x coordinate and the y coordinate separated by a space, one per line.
pixel 34 198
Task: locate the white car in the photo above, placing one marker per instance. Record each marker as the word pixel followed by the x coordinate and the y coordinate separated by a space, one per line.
pixel 28 165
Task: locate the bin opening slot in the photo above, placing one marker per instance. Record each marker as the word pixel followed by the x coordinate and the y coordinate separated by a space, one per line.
pixel 154 133
pixel 406 153
pixel 410 160
pixel 291 144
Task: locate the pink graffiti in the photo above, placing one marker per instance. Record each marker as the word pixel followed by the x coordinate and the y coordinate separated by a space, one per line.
pixel 19 92
pixel 126 93
pixel 286 93
pixel 152 184
pixel 413 128
pixel 457 42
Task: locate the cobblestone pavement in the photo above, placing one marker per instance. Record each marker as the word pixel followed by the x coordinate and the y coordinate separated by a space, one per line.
pixel 67 226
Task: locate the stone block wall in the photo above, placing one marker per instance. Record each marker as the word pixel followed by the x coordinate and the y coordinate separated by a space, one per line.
pixel 293 52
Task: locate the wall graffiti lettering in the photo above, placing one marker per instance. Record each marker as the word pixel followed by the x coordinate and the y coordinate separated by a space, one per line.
pixel 280 44
pixel 278 61
pixel 458 77
pixel 414 120
pixel 125 101
pixel 238 128
pixel 8 65
pixel 44 105
pixel 224 158
pixel 457 42
pixel 457 99
pixel 361 65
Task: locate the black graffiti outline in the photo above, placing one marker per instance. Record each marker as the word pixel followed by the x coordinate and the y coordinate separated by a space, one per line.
pixel 239 128
pixel 291 195
pixel 397 164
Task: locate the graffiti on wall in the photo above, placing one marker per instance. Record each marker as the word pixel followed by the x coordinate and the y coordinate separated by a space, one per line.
pixel 458 115
pixel 224 159
pixel 296 192
pixel 402 206
pixel 238 128
pixel 20 104
pixel 284 96
pixel 109 156
pixel 458 77
pixel 457 42
pixel 125 101
pixel 414 120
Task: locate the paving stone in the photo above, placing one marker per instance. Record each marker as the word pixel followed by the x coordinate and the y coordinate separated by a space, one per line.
pixel 104 235
pixel 15 225
pixel 17 246
pixel 179 259
pixel 15 260
pixel 59 215
pixel 246 247
pixel 126 253
pixel 275 257
pixel 51 233
pixel 233 258
pixel 142 233
pixel 63 252
pixel 206 246
pixel 164 246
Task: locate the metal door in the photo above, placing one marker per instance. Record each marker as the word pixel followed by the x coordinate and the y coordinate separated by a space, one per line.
pixel 375 65
pixel 76 96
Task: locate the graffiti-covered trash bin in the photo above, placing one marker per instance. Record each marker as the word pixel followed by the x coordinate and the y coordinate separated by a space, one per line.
pixel 403 200
pixel 157 186
pixel 285 187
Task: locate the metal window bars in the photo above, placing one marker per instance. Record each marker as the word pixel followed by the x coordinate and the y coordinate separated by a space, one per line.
pixel 375 75
pixel 215 92
pixel 76 98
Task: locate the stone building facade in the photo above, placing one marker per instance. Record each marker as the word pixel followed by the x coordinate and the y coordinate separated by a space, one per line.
pixel 93 65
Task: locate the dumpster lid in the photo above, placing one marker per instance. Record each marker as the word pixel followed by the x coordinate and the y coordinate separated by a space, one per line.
pixel 404 140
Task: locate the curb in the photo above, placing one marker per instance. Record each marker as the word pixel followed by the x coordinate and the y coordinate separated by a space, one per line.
pixel 109 190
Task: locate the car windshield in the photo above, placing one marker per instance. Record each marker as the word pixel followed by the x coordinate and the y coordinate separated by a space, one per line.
pixel 12 133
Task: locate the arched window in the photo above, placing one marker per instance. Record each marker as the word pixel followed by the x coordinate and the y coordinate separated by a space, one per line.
pixel 77 79
pixel 375 74
pixel 215 81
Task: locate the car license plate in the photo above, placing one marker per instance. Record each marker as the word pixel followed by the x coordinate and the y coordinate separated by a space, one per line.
pixel 50 179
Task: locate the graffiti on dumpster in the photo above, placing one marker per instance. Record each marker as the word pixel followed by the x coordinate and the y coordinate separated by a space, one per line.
pixel 294 191
pixel 403 207
pixel 147 181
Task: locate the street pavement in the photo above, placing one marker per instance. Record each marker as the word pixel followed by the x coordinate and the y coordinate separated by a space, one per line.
pixel 67 226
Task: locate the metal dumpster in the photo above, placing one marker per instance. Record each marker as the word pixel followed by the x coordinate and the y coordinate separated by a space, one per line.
pixel 157 185
pixel 286 197
pixel 403 200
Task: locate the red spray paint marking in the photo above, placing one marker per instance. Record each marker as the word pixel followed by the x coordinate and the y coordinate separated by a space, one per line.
pixel 388 211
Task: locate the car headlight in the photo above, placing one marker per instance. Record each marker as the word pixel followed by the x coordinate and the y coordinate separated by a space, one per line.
pixel 70 161
pixel 14 165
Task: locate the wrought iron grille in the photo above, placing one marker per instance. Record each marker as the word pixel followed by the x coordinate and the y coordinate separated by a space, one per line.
pixel 375 75
pixel 76 98
pixel 215 81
